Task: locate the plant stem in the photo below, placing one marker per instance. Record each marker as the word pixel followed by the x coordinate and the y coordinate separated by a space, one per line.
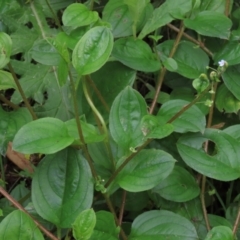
pixel 227 7
pixel 110 206
pixel 10 104
pixel 59 233
pixel 235 227
pixel 122 207
pixel 2 171
pixel 99 116
pixel 22 92
pixel 192 39
pixel 229 194
pixel 17 205
pixel 79 127
pixel 164 70
pixel 203 186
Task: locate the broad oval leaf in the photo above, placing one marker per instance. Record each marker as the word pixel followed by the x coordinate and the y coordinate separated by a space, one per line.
pixel 6 80
pixel 179 186
pixel 78 15
pixel 192 120
pixel 231 80
pixel 84 224
pixel 162 224
pixel 62 187
pixel 6 49
pixel 10 123
pixel 45 135
pixel 136 54
pixel 233 131
pixel 220 232
pixel 135 177
pixel 210 23
pixel 191 61
pixel 125 119
pixel 223 166
pixel 93 50
pixel 45 53
pixel 18 225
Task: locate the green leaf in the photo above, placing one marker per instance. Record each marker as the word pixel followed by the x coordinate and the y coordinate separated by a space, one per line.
pixel 78 15
pixel 231 80
pixel 90 133
pixel 214 5
pixel 125 119
pixel 226 101
pixel 136 54
pixel 45 135
pixel 62 187
pixel 105 227
pixel 152 129
pixel 170 64
pixel 118 14
pixel 192 120
pixel 189 67
pixel 223 165
pixel 135 175
pixel 5 49
pixel 180 9
pixel 220 232
pixel 84 224
pixel 179 186
pixel 6 80
pixel 18 225
pixel 62 72
pixel 162 224
pixel 210 23
pixel 93 50
pixel 201 83
pixel 233 131
pixel 45 53
pixel 230 53
pixel 10 123
pixel 159 18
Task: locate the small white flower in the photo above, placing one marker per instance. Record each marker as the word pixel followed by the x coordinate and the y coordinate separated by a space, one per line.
pixel 221 63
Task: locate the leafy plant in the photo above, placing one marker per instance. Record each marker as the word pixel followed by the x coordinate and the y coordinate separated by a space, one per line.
pixel 119 119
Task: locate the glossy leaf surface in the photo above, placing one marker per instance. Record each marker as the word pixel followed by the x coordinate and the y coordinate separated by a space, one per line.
pixel 62 187
pixel 6 49
pixel 93 50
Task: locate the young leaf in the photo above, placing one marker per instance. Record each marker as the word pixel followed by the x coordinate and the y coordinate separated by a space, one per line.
pixel 6 80
pixel 220 232
pixel 45 135
pixel 179 186
pixel 93 50
pixel 192 120
pixel 136 54
pixel 170 64
pixel 78 15
pixel 10 123
pixel 62 187
pixel 162 224
pixel 210 23
pixel 189 67
pixel 223 166
pixel 18 225
pixel 5 49
pixel 135 176
pixel 84 224
pixel 125 119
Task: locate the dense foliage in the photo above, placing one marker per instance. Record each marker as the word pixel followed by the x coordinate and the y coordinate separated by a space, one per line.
pixel 119 119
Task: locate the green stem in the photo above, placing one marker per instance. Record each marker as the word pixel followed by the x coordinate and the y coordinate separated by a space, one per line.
pixel 54 15
pixel 122 207
pixel 2 171
pixel 19 87
pixel 227 7
pixel 229 194
pixel 59 233
pixel 92 5
pixel 164 70
pixel 79 127
pixel 10 104
pixel 99 116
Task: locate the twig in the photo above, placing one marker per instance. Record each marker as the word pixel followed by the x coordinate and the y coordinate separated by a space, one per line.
pixel 10 104
pixel 235 227
pixel 22 92
pixel 164 70
pixel 227 7
pixel 17 205
pixel 122 207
